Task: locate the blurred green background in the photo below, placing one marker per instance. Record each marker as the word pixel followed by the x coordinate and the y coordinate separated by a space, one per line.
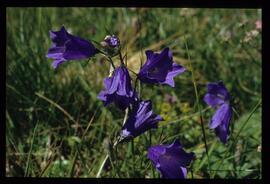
pixel 56 126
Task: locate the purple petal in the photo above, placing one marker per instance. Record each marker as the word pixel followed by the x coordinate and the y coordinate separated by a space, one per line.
pixel 176 151
pixel 176 144
pixel 118 89
pixel 159 68
pixel 68 47
pixel 125 133
pixel 156 58
pixel 141 118
pixel 149 54
pixel 55 50
pixel 170 160
pixel 124 87
pixel 107 82
pixel 60 37
pixel 112 40
pixel 219 90
pixel 56 63
pixel 177 69
pixel 170 171
pixel 102 96
pixel 122 102
pixel 212 100
pixel 220 115
pixel 222 131
pixel 78 48
pixel 55 56
pixel 115 79
pixel 143 113
pixel 154 152
pixel 183 172
pixel 160 65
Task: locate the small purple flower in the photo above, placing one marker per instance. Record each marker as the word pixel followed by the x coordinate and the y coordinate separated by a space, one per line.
pixel 112 41
pixel 217 96
pixel 67 47
pixel 140 119
pixel 160 68
pixel 118 89
pixel 170 160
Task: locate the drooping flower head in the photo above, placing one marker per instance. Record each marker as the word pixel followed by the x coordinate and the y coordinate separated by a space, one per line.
pixel 170 160
pixel 118 89
pixel 160 68
pixel 218 97
pixel 67 47
pixel 140 119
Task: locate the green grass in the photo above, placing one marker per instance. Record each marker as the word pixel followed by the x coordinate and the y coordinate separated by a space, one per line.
pixel 56 126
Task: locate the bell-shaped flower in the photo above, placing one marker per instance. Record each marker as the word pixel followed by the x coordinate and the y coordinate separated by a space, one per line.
pixel 160 68
pixel 118 89
pixel 67 47
pixel 140 119
pixel 170 160
pixel 218 97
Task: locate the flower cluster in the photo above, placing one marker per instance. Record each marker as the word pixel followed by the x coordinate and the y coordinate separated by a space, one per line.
pixel 159 69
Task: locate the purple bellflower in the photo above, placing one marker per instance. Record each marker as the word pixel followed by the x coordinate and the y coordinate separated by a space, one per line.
pixel 67 47
pixel 160 68
pixel 141 119
pixel 118 89
pixel 170 160
pixel 218 97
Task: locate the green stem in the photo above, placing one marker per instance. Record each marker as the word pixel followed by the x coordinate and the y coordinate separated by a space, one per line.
pixel 238 115
pixel 102 165
pixel 110 158
pixel 30 152
pixel 132 72
pixel 76 148
pixel 114 145
pixel 106 159
pixel 109 58
pixel 198 105
pixel 71 171
pixel 133 156
pixel 120 56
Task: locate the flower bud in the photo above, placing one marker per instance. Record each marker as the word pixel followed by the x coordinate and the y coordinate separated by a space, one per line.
pixel 112 40
pixel 111 44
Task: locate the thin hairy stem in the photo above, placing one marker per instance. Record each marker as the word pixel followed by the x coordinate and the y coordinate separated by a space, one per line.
pixel 108 58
